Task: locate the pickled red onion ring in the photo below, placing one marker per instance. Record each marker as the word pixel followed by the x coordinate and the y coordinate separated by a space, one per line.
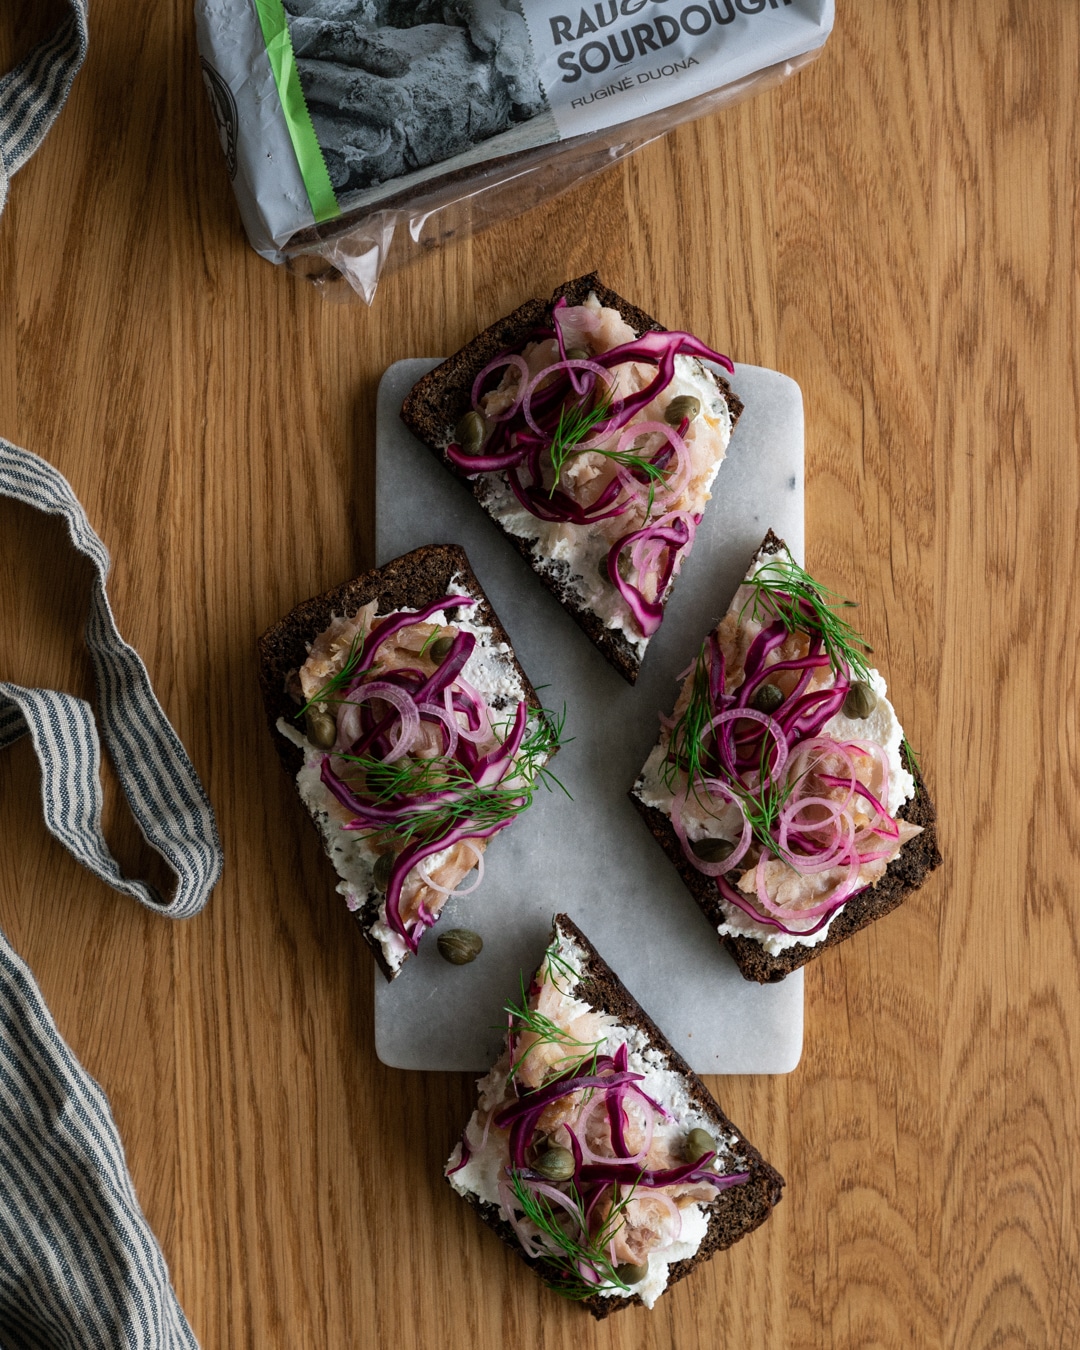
pixel 398 698
pixel 421 868
pixel 769 723
pixel 522 367
pixel 585 364
pixel 448 721
pixel 714 786
pixel 674 481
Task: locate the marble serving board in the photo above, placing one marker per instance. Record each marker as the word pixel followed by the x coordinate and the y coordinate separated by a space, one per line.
pixel 590 854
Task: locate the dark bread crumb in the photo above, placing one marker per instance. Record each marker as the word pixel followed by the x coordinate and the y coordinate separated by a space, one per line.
pixel 905 874
pixel 436 402
pixel 735 1212
pixel 409 582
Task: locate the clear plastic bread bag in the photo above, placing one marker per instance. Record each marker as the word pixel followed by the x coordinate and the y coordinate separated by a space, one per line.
pixel 349 124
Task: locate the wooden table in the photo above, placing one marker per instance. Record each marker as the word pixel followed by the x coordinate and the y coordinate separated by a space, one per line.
pixel 896 228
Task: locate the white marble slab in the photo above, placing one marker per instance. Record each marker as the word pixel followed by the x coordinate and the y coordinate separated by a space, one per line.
pixel 592 856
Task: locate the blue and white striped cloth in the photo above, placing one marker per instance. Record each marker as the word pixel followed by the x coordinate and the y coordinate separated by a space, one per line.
pixel 79 1266
pixel 32 94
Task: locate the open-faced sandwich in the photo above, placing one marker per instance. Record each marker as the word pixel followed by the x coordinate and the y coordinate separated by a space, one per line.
pixel 591 436
pixel 782 787
pixel 412 731
pixel 595 1152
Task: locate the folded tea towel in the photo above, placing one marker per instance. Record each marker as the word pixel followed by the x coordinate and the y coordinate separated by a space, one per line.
pixel 33 93
pixel 79 1266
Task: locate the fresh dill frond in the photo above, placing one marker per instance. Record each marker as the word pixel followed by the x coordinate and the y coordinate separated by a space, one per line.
pixel 572 1250
pixel 783 590
pixel 685 748
pixel 762 808
pixel 579 1054
pixel 428 640
pixel 328 693
pixel 558 965
pixel 574 425
pixel 445 793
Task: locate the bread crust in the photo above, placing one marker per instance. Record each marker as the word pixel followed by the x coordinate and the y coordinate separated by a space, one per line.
pixel 409 582
pixel 439 399
pixel 735 1212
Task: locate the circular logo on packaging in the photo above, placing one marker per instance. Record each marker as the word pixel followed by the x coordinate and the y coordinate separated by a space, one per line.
pixel 224 107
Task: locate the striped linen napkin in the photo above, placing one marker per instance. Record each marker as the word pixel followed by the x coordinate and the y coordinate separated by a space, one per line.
pixel 79 1266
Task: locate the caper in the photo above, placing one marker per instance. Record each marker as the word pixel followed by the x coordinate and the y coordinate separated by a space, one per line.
pixel 860 702
pixel 767 698
pixel 459 946
pixel 555 1163
pixel 384 865
pixel 713 850
pixel 685 406
pixel 629 1274
pixel 321 728
pixel 440 649
pixel 698 1143
pixel 625 567
pixel 578 354
pixel 469 433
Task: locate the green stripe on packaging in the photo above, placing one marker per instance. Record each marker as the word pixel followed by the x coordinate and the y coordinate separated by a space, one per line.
pixel 309 153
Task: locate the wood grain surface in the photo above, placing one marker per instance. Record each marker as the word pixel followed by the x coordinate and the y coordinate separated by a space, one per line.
pixel 896 228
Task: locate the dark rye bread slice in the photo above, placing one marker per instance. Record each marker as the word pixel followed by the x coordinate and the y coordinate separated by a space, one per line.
pixel 905 874
pixel 409 582
pixel 735 1212
pixel 437 402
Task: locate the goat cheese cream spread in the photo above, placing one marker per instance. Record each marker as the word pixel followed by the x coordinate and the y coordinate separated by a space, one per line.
pixel 489 1150
pixel 491 671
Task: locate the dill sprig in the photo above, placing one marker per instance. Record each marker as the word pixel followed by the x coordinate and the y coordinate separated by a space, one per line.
pixel 762 805
pixel 579 1054
pixel 571 1249
pixel 685 743
pixel 783 590
pixel 428 641
pixel 328 692
pixel 574 425
pixel 457 797
pixel 558 965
